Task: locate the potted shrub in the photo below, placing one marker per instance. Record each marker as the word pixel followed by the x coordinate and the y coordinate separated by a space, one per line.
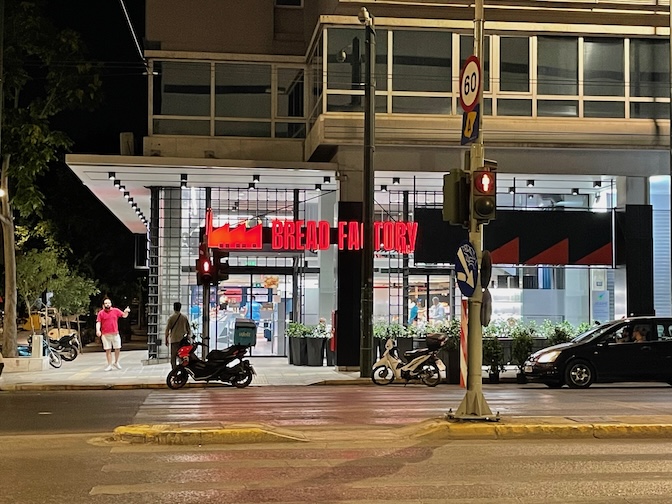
pixel 380 336
pixel 493 357
pixel 561 333
pixel 316 338
pixel 522 345
pixel 298 353
pixel 402 335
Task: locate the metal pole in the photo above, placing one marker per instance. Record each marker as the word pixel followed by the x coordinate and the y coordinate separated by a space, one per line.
pixel 670 138
pixel 365 359
pixel 206 293
pixel 474 405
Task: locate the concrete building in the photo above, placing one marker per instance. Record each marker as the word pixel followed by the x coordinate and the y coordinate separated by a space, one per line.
pixel 256 111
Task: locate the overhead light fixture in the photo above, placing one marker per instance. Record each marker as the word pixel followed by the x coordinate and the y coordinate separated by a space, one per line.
pixel 134 205
pixel 117 182
pixel 396 181
pixel 255 178
pixel 530 183
pixel 327 180
pixel 122 188
pixel 137 210
pixel 127 194
pixel 130 201
pixel 318 187
pixel 530 196
pixel 111 175
pixel 597 183
pixel 183 180
pixel 251 186
pixel 512 190
pixel 383 188
pixel 575 191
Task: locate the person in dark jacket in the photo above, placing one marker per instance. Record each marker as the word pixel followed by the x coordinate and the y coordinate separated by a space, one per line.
pixel 177 328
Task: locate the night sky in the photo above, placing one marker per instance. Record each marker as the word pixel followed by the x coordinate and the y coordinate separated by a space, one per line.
pixel 96 236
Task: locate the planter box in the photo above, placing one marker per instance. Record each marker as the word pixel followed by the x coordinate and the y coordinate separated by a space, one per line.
pixel 298 353
pixel 331 354
pixel 315 351
pixel 23 364
pixel 404 345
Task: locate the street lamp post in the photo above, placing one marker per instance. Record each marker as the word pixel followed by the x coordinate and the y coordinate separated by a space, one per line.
pixel 366 344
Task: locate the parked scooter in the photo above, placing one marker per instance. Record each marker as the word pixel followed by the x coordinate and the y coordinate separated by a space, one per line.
pixel 67 346
pixel 226 366
pixel 423 363
pixel 26 351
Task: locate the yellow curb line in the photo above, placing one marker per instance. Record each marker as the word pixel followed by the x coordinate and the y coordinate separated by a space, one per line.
pixel 232 434
pixel 444 429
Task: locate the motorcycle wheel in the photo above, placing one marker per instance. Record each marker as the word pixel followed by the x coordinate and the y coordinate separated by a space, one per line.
pixel 55 359
pixel 70 354
pixel 243 379
pixel 382 375
pixel 430 374
pixel 177 378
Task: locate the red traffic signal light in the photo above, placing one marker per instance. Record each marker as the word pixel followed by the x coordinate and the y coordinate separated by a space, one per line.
pixel 203 265
pixel 484 196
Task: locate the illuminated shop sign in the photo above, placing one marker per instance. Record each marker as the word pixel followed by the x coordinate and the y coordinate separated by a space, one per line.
pixel 313 235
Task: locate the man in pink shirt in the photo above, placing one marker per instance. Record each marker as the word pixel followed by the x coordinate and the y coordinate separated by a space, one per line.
pixel 107 329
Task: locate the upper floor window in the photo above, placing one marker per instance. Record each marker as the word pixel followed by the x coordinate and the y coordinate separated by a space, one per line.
pixel 649 68
pixel 558 65
pixel 414 68
pixel 603 67
pixel 514 66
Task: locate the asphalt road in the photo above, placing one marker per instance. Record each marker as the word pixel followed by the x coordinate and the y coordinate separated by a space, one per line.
pixel 80 469
pixel 316 406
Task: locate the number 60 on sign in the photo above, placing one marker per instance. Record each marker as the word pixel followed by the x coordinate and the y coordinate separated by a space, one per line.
pixel 470 83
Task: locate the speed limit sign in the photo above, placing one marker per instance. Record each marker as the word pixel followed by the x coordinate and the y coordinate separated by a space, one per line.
pixel 470 83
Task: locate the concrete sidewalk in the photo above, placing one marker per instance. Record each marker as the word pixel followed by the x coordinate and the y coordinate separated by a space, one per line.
pixel 87 372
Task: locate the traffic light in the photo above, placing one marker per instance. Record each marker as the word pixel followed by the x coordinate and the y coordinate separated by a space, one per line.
pixel 483 196
pixel 203 265
pixel 456 197
pixel 220 263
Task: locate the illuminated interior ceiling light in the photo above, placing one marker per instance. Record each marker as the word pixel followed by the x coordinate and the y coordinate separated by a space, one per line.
pixel 117 182
pixel 134 205
pixel 256 178
pixel 396 181
pixel 512 190
pixel 252 186
pixel 575 191
pixel 530 196
pixel 383 188
pixel 130 201
pixel 318 187
pixel 530 183
pixel 122 188
pixel 183 180
pixel 137 210
pixel 597 183
pixel 327 180
pixel 127 194
pixel 111 175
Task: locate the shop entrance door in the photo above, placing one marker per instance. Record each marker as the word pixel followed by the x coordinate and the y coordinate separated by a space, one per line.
pixel 266 298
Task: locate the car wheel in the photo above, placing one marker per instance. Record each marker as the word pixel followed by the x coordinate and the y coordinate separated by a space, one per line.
pixel 579 374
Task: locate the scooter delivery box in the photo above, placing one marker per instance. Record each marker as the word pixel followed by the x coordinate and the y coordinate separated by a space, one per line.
pixel 245 332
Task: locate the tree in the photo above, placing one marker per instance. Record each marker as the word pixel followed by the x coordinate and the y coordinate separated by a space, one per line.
pixel 44 73
pixel 72 295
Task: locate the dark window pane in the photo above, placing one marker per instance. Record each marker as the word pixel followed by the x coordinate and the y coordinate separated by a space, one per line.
pixel 603 73
pixel 650 110
pixel 557 108
pixel 421 61
pixel 649 67
pixel 467 49
pixel 290 130
pixel 242 90
pixel 558 66
pixel 420 105
pixel 487 106
pixel 515 64
pixel 514 108
pixel 290 92
pixel 243 128
pixel 347 103
pixel 346 64
pixel 181 127
pixel 603 109
pixel 182 89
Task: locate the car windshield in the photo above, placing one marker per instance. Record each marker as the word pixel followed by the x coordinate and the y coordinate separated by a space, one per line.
pixel 592 333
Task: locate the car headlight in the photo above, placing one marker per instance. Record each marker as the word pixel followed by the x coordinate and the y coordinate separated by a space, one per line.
pixel 548 356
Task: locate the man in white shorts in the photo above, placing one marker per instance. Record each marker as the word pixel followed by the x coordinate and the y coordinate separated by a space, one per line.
pixel 107 329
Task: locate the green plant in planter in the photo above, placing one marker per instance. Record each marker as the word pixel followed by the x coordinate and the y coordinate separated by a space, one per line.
pixel 396 331
pixel 297 330
pixel 319 331
pixel 380 330
pixel 451 328
pixel 561 333
pixel 583 327
pixel 523 342
pixel 493 355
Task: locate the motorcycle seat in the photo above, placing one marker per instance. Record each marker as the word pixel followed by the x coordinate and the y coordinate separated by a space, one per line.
pixel 412 354
pixel 220 355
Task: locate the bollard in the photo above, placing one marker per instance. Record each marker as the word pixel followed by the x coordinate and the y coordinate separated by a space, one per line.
pixel 36 347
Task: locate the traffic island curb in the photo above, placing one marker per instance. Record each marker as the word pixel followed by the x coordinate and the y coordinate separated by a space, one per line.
pixel 167 434
pixel 532 428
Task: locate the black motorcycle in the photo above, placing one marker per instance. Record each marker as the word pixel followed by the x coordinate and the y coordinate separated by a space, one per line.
pixel 226 366
pixel 67 346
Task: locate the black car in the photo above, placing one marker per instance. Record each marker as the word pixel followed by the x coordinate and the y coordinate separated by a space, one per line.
pixel 633 349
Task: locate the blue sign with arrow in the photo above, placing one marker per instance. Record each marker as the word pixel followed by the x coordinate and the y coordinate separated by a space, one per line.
pixel 466 269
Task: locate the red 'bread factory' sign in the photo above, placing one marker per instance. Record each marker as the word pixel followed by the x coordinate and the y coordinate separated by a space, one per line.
pixel 312 235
